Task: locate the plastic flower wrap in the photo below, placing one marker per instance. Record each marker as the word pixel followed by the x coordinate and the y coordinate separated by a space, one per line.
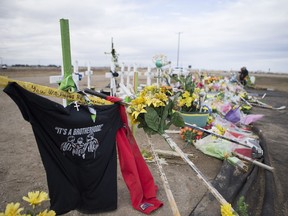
pixel 153 111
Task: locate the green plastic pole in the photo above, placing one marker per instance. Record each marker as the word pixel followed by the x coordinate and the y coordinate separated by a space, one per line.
pixel 66 52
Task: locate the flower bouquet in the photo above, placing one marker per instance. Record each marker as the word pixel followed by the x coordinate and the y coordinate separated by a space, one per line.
pixel 153 111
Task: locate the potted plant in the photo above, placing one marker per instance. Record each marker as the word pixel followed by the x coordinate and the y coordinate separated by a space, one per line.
pixel 190 99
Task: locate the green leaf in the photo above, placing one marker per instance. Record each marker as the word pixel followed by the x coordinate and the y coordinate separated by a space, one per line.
pixel 152 119
pixel 149 131
pixel 142 122
pixel 177 120
pixel 164 117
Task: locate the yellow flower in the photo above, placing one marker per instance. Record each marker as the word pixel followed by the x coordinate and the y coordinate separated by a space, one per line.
pixel 150 88
pixel 189 101
pixel 197 91
pixel 220 129
pixel 186 94
pixel 181 102
pixel 140 108
pixel 12 209
pixel 47 213
pixel 157 103
pixel 138 100
pixel 210 119
pixel 36 197
pixel 226 210
pixel 161 96
pixel 246 107
pixel 148 101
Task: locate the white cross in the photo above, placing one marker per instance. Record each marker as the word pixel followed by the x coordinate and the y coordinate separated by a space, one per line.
pixel 76 105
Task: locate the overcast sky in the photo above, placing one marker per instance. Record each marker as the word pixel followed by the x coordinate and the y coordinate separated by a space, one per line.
pixel 215 34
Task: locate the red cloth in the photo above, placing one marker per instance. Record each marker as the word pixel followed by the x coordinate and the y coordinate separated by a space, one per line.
pixel 135 171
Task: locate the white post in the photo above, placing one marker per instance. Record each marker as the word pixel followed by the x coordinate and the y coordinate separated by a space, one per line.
pixel 148 74
pixel 58 79
pixel 88 73
pixel 128 77
pixel 158 76
pixel 169 72
pixel 77 76
pixel 112 81
pixel 135 79
pixel 76 67
pixel 113 86
pixel 122 74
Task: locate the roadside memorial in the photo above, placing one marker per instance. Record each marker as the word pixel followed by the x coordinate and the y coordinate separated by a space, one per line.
pixel 68 139
pixel 224 134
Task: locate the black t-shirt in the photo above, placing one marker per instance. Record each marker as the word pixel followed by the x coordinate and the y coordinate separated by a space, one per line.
pixel 79 155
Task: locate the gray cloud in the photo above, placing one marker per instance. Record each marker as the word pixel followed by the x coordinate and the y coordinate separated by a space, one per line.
pixel 216 34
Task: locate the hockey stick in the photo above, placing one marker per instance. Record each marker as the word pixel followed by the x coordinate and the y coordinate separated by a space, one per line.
pixel 166 186
pixel 253 161
pixel 200 175
pixel 255 151
pixel 264 105
pixel 103 96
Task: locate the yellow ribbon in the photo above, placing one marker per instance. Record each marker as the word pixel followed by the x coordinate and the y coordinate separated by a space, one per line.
pixel 49 91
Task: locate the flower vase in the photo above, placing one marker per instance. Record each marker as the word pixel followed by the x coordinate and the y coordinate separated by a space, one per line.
pixel 200 119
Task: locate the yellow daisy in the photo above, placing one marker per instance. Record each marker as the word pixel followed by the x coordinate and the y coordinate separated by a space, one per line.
pixel 226 210
pixel 12 209
pixel 47 213
pixel 36 197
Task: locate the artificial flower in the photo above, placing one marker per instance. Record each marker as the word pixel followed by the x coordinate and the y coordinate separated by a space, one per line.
pixel 189 135
pixel 36 197
pixel 12 209
pixel 47 213
pixel 140 108
pixel 226 210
